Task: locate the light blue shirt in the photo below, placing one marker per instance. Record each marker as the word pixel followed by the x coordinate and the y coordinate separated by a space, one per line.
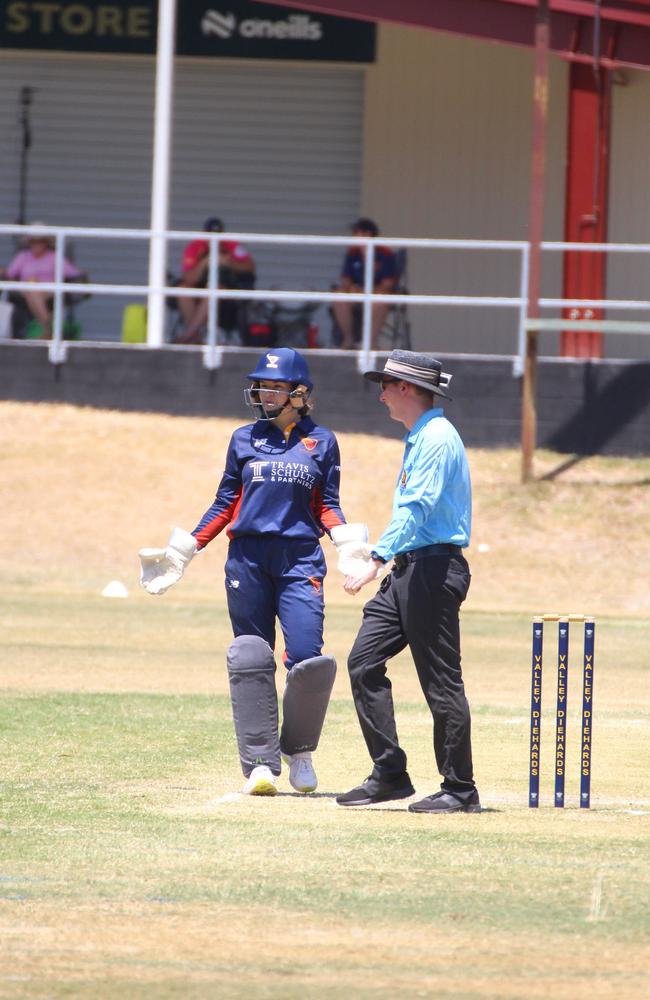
pixel 433 496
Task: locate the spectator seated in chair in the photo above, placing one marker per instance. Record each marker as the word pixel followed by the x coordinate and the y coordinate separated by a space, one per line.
pixel 352 280
pixel 34 264
pixel 236 270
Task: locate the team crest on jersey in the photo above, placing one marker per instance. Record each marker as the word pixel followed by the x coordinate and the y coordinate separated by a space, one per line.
pixel 316 583
pixel 309 443
pixel 272 360
pixel 258 442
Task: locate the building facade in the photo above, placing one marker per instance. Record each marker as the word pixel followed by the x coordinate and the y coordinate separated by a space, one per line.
pixel 429 134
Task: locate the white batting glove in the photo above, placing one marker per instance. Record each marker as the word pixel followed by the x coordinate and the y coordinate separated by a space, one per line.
pixel 342 534
pixel 162 568
pixel 355 559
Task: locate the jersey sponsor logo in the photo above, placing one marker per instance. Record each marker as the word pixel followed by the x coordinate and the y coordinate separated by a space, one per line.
pixel 258 442
pixel 292 472
pixel 272 360
pixel 297 473
pixel 233 583
pixel 309 443
pixel 257 471
pixel 402 481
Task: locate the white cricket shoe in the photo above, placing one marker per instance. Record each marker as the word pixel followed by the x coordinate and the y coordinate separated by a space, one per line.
pixel 301 772
pixel 261 781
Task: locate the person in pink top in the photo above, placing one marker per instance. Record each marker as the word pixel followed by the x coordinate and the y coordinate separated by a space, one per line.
pixel 35 264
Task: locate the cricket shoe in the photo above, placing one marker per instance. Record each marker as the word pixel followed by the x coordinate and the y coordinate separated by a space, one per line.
pixel 447 802
pixel 301 772
pixel 374 790
pixel 261 781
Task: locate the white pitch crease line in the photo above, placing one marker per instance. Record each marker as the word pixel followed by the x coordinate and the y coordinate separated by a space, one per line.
pixel 596 911
pixel 228 797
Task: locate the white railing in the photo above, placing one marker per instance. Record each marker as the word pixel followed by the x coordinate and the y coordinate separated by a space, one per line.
pixel 213 352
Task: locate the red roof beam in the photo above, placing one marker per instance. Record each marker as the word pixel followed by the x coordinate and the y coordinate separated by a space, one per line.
pixel 419 12
pixel 580 8
pixel 624 34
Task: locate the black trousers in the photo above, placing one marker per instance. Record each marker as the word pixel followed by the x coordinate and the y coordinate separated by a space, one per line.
pixel 417 605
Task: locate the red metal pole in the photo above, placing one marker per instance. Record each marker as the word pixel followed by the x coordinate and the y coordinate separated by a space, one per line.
pixel 535 226
pixel 585 218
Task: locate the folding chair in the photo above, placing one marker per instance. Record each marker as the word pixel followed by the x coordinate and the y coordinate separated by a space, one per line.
pixel 396 331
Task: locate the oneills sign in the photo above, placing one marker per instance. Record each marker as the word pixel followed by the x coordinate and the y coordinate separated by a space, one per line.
pixel 240 29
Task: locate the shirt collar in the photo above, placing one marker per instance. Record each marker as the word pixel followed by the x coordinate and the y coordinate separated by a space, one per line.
pixel 304 425
pixel 422 421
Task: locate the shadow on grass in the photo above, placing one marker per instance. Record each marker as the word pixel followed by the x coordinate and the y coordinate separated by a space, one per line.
pixel 306 795
pixel 404 808
pixel 569 463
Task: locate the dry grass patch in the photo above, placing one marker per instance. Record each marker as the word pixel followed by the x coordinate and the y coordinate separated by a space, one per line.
pixel 95 486
pixel 161 950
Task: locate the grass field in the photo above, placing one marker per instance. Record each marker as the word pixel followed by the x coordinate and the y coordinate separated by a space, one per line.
pixel 130 865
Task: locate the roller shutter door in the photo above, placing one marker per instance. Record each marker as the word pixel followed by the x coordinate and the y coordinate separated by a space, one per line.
pixel 269 148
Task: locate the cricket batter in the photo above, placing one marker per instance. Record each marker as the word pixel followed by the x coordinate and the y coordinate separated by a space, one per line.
pixel 278 495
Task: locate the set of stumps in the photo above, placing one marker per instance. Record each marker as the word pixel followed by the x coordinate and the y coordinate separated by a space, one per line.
pixel 561 707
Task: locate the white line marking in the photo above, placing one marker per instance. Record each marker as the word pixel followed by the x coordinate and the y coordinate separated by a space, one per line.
pixel 596 911
pixel 229 797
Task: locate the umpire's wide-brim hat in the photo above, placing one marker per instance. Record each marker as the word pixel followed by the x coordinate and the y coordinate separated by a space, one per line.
pixel 419 369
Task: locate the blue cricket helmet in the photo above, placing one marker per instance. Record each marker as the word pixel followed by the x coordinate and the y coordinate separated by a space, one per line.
pixel 282 364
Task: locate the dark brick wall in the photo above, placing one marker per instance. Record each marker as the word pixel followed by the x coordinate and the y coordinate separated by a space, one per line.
pixel 583 407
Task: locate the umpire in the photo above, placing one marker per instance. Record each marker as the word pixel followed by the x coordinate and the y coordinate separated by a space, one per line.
pixel 418 602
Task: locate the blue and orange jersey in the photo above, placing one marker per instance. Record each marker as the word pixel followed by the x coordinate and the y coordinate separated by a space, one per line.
pixel 277 485
pixel 354 265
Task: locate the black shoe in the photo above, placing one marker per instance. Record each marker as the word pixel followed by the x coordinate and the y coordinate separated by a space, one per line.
pixel 377 790
pixel 447 802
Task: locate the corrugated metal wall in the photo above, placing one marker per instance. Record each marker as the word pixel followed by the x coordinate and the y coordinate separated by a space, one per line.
pixel 89 163
pixel 270 148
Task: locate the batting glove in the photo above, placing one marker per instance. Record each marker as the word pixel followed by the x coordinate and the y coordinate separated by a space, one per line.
pixel 355 559
pixel 161 568
pixel 343 534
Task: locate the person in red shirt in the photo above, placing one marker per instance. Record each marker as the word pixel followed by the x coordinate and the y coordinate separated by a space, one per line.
pixel 236 270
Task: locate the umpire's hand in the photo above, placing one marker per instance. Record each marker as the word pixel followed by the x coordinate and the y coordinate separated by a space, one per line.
pixel 353 584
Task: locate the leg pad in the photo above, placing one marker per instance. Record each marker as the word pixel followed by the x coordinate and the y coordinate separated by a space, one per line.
pixel 251 673
pixel 306 697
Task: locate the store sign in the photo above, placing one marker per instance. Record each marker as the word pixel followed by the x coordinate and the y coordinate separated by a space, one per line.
pixel 240 29
pixel 79 27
